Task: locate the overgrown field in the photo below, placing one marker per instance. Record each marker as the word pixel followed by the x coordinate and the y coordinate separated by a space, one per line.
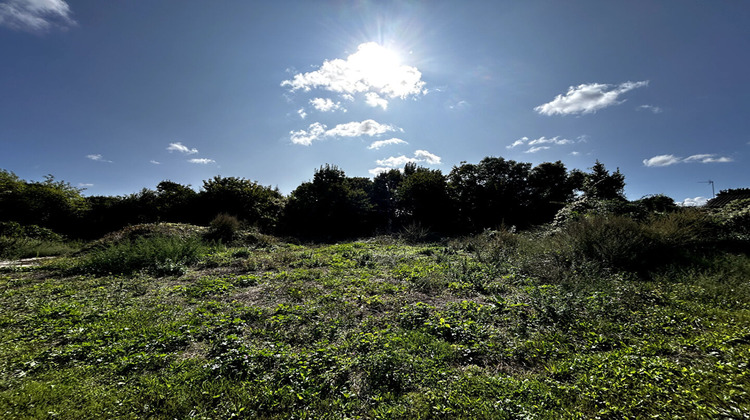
pixel 603 319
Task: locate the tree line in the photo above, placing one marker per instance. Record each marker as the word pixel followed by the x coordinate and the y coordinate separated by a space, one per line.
pixel 471 197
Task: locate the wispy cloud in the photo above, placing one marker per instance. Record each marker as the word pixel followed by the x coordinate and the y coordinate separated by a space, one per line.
pixel 201 161
pixel 179 147
pixel 542 143
pixel 35 15
pixel 326 105
pixel 372 69
pixel 667 160
pixel 382 143
pixel 588 98
pixel 652 108
pixel 317 131
pixel 302 114
pixel 154 162
pixel 85 185
pixel 98 158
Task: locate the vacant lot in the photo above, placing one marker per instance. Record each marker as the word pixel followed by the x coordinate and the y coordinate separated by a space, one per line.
pixel 500 325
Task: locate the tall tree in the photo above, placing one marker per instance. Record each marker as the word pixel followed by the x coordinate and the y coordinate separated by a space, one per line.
pixel 247 200
pixel 550 189
pixel 600 184
pixel 422 198
pixel 332 206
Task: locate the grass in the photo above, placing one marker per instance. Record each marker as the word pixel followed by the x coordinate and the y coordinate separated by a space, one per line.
pixel 501 325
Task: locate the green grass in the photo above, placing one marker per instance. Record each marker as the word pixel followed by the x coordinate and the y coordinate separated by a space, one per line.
pixel 496 326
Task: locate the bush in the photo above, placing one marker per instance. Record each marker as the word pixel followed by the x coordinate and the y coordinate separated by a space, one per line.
pixel 18 241
pixel 223 228
pixel 734 219
pixel 587 245
pixel 159 255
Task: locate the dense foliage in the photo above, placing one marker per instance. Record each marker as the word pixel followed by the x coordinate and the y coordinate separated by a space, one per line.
pixel 493 193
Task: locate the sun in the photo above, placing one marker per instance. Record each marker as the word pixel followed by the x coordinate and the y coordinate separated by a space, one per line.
pixel 376 64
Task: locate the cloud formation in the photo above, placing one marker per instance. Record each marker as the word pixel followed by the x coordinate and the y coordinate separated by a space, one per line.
pixel 692 202
pixel 35 15
pixel 202 161
pixel 654 109
pixel 317 131
pixel 588 98
pixel 667 160
pixel 393 162
pixel 326 105
pixel 541 143
pixel 373 70
pixel 425 156
pixel 98 158
pixel 382 143
pixel 179 147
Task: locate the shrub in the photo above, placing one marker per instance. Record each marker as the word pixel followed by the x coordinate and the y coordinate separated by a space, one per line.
pixel 223 228
pixel 18 241
pixel 734 218
pixel 160 255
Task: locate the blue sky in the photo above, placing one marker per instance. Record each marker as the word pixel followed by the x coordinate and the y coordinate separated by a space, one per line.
pixel 116 96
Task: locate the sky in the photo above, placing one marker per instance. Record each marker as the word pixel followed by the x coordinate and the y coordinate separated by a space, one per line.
pixel 120 95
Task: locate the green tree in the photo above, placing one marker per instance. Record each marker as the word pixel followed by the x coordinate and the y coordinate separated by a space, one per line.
pixel 247 200
pixel 550 189
pixel 383 197
pixel 422 198
pixel 50 203
pixel 332 206
pixel 176 202
pixel 602 185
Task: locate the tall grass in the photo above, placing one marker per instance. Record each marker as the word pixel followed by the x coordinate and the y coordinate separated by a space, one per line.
pixel 159 255
pixel 12 248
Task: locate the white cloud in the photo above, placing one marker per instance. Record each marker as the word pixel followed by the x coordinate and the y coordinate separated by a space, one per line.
pixel 381 143
pixel 302 113
pixel 326 105
pixel 372 69
pixel 556 141
pixel 317 131
pixel 661 160
pixel 708 158
pixel 697 201
pixel 179 147
pixel 654 109
pixel 84 185
pixel 202 161
pixel 424 155
pixel 666 160
pixel 155 162
pixel 35 15
pixel 395 161
pixel 98 158
pixel 355 129
pixel 378 170
pixel 587 98
pixel 305 138
pixel 373 99
pixel 420 156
